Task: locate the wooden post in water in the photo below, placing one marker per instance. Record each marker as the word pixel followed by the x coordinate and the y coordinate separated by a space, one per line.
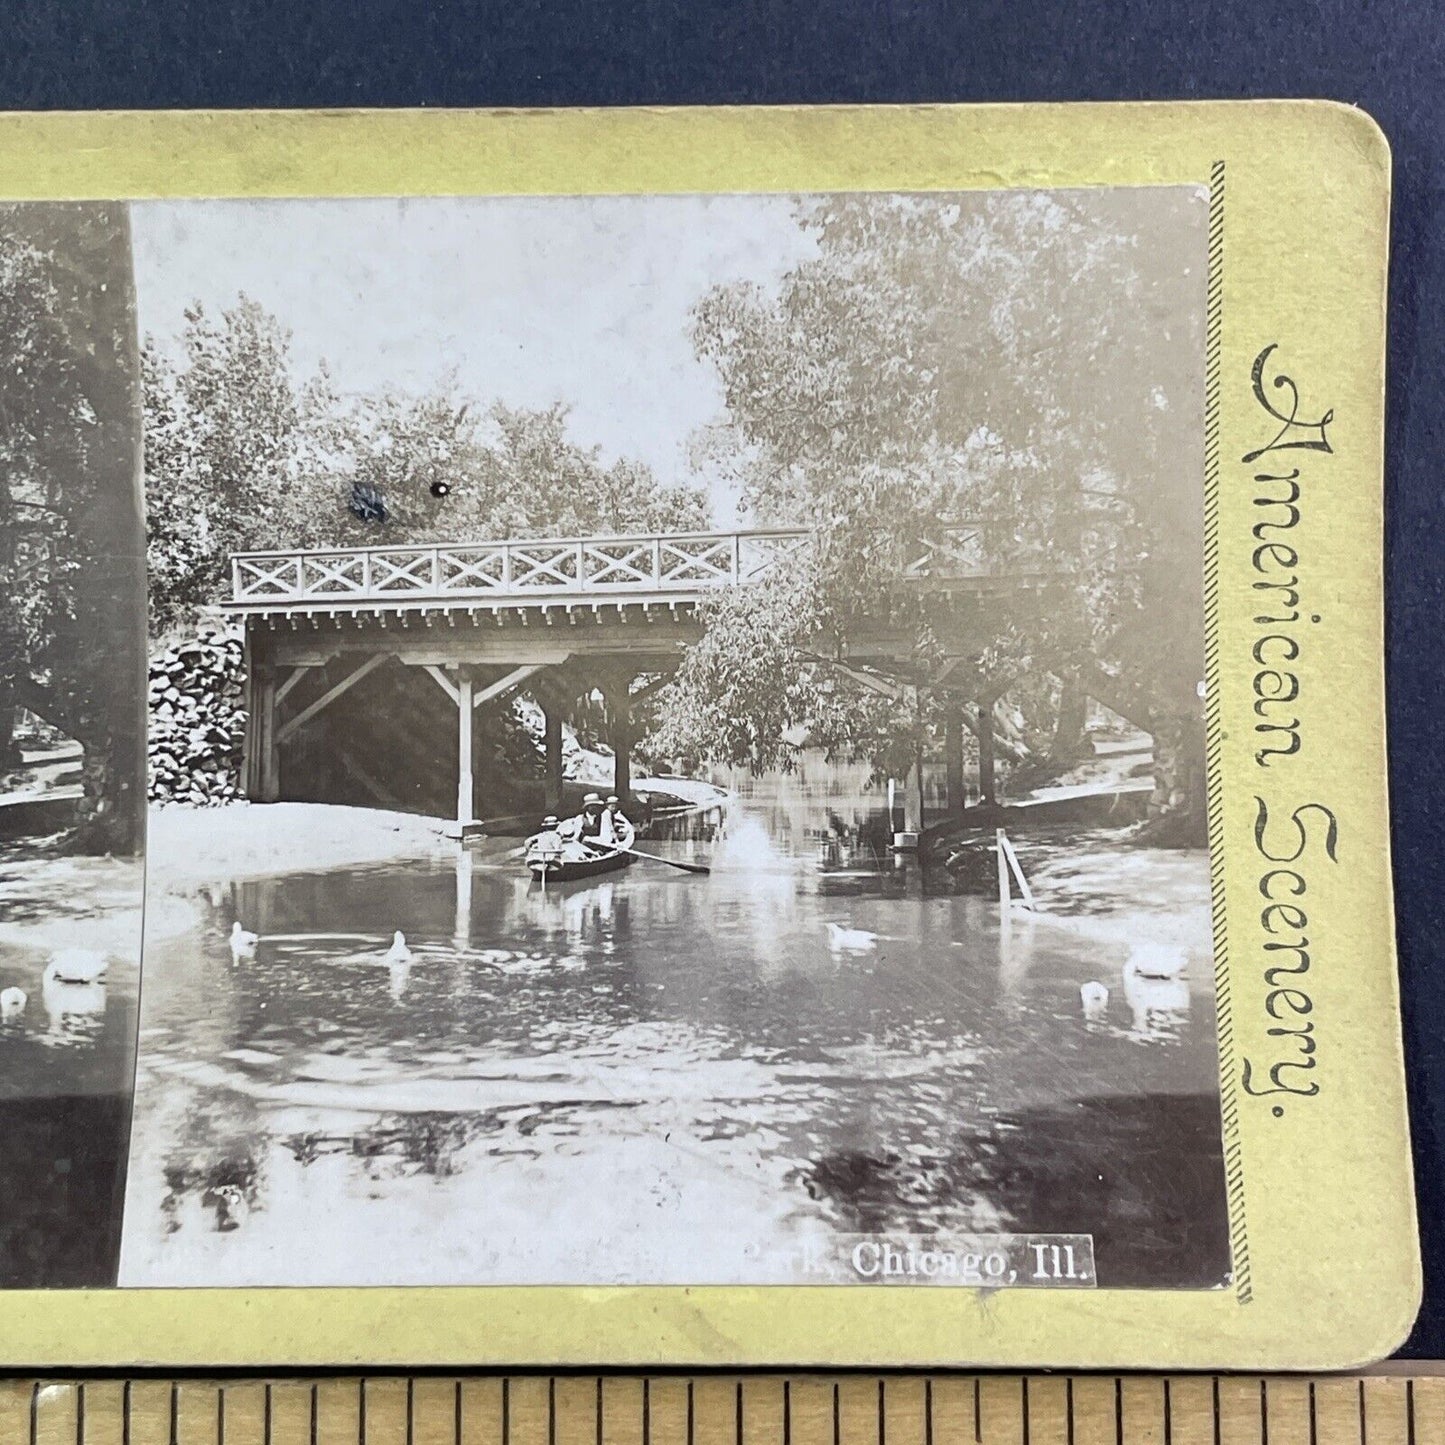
pixel 552 749
pixel 466 804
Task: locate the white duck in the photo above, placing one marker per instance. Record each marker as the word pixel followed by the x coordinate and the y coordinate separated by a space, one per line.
pixel 12 1004
pixel 1095 998
pixel 398 955
pixel 243 942
pixel 1157 960
pixel 850 940
pixel 76 965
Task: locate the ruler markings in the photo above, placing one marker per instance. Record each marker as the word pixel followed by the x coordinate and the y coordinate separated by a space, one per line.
pixel 384 1410
pixel 1191 1410
pixel 480 1406
pixel 527 1413
pixel 904 1406
pixel 288 1412
pixel 575 1410
pixel 1428 1397
pixel 1094 1416
pixel 53 1411
pixel 1140 1419
pixel 148 1420
pixel 245 1413
pixel 1046 1402
pixel 1237 1418
pixel 622 1411
pixel 1000 1419
pixel 952 1401
pixel 1285 1408
pixel 101 1414
pixel 667 1411
pixel 338 1412
pixel 762 1410
pixel 1384 1411
pixel 1337 1411
pixel 432 1411
pixel 858 1410
pixel 713 1410
pixel 810 1411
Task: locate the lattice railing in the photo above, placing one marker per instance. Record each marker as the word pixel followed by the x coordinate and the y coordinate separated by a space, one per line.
pixel 660 564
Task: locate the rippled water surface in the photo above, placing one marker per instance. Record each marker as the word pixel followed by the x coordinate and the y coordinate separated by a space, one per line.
pixel 655 1077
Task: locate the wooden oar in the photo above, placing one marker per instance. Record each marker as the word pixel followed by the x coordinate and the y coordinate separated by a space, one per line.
pixel 651 857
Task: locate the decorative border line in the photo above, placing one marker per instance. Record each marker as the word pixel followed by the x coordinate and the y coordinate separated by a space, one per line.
pixel 1213 723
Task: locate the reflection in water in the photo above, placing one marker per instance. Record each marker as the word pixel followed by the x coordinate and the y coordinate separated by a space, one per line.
pixel 65 1070
pixel 76 1010
pixel 656 1076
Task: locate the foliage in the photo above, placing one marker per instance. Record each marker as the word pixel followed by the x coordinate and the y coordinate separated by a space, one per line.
pixel 1026 360
pixel 755 685
pixel 71 577
pixel 243 453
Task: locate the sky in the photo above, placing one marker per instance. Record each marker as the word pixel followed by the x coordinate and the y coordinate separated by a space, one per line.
pixel 526 300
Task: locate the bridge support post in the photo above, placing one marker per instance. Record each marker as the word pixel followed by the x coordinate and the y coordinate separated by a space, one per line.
pixel 619 710
pixel 953 760
pixel 260 750
pixel 552 749
pixel 986 786
pixel 466 804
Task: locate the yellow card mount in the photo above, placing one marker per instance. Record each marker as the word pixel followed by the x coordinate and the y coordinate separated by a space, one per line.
pixel 751 739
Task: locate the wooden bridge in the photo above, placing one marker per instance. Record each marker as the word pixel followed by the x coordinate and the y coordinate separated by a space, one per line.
pixel 485 620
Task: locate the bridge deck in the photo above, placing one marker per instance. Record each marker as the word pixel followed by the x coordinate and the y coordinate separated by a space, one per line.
pixel 662 568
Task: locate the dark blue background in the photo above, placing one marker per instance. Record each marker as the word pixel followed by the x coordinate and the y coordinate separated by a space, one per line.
pixel 1388 57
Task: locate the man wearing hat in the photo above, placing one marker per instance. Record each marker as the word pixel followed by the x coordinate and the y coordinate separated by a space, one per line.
pixel 617 829
pixel 588 826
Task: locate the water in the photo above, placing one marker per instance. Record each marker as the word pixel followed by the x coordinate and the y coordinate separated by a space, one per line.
pixel 66 1066
pixel 656 1077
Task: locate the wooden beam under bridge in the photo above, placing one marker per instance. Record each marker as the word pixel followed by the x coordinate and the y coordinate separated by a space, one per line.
pixel 331 694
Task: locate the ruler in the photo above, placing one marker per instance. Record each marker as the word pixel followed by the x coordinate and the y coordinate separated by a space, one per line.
pixel 729 1410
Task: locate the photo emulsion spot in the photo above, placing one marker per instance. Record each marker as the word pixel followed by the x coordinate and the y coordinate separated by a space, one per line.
pixel 675 737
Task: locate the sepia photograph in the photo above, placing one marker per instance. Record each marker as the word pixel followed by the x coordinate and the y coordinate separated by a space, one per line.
pixel 72 731
pixel 674 730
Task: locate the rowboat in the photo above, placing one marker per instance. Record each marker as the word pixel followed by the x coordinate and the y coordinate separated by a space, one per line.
pixel 551 869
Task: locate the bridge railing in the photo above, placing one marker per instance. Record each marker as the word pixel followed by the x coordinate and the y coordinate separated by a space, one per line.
pixel 662 564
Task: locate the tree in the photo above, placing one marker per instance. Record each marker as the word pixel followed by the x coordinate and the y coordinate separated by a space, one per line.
pixel 1027 360
pixel 72 574
pixel 243 453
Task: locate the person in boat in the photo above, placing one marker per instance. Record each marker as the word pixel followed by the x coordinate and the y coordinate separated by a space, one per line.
pixel 548 843
pixel 589 826
pixel 618 829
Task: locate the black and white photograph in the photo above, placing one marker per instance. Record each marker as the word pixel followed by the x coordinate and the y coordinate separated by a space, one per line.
pixel 72 730
pixel 674 729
